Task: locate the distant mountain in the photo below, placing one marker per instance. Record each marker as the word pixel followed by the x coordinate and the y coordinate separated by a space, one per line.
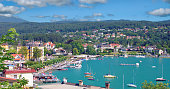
pixel 165 21
pixel 11 19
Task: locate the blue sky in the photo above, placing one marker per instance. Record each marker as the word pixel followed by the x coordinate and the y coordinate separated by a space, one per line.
pixel 86 10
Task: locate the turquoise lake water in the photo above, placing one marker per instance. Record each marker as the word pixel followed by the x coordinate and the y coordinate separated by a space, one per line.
pixel 101 67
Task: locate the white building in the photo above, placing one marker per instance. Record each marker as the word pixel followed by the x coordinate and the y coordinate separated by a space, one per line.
pixel 16 74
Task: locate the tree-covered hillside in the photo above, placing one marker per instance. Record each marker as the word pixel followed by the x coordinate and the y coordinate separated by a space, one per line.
pixel 31 27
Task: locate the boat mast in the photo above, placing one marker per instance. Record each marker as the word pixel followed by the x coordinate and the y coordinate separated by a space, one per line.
pixel 162 70
pixel 123 81
pixel 109 68
pixel 133 76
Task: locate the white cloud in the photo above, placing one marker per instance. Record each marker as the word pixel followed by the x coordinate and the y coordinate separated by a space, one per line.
pixel 97 14
pixel 110 14
pixel 63 17
pixel 85 6
pixel 94 15
pixel 168 1
pixel 10 10
pixel 160 12
pixel 92 1
pixel 30 3
pixel 41 3
pixel 83 20
pixel 58 2
pixel 42 16
pixel 98 19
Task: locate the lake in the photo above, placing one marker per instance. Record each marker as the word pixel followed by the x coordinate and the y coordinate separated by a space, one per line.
pixel 112 65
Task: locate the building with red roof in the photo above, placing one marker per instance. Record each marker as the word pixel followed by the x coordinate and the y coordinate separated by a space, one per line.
pixel 49 45
pixel 18 59
pixel 10 80
pixel 113 45
pixel 20 73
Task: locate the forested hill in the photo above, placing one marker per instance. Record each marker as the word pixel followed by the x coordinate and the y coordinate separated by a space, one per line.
pixel 11 19
pixel 32 27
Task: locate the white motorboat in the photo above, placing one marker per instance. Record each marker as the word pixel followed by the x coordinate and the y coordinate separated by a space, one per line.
pixel 131 85
pixel 78 66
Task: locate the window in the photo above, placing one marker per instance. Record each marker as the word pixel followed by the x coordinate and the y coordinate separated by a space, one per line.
pixel 15 76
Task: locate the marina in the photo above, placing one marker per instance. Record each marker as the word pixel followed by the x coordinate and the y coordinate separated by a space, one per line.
pixel 101 67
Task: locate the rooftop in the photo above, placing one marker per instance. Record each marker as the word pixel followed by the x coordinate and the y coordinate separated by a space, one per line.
pixel 19 71
pixel 11 80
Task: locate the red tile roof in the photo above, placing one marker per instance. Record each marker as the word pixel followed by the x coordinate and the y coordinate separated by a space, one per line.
pixel 17 59
pixel 7 79
pixel 50 43
pixel 14 55
pixel 19 71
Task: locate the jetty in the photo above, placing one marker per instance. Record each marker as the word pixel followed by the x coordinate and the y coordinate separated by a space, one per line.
pixel 129 64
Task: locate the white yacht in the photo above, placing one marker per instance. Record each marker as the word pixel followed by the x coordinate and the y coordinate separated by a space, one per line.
pixel 78 66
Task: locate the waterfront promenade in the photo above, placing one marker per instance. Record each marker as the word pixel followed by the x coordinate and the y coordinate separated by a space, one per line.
pixel 67 86
pixel 58 65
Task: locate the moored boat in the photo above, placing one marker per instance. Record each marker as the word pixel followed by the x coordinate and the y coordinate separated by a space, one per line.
pixel 87 73
pixel 109 76
pixel 131 85
pixel 160 79
pixel 90 78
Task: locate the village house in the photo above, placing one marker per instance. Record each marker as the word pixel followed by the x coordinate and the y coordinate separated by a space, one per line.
pixel 100 34
pixel 132 37
pixel 49 45
pixel 57 31
pixel 159 51
pixel 5 46
pixel 112 46
pixel 113 35
pixel 19 74
pixel 85 46
pixel 10 80
pixel 150 49
pixel 59 51
pixel 18 59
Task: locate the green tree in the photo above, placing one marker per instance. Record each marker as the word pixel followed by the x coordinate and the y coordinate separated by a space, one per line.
pixel 78 45
pixel 75 51
pixel 9 37
pixel 146 85
pixel 98 50
pixel 16 85
pixel 67 47
pixel 168 50
pixel 12 51
pixel 22 82
pixel 23 51
pixel 91 50
pixel 46 51
pixel 37 53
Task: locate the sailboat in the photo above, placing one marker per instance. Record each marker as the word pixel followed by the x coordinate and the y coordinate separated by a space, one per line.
pixel 161 79
pixel 132 84
pixel 87 73
pixel 109 75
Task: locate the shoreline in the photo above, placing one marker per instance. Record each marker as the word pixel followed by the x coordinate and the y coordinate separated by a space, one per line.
pixel 71 61
pixel 68 86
